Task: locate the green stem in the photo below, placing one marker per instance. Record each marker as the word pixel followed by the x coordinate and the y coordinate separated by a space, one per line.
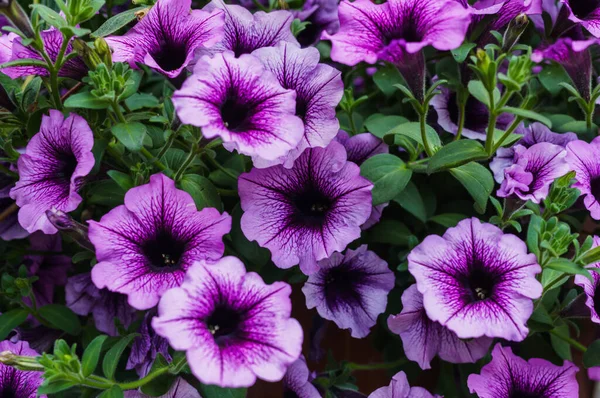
pixel 423 125
pixel 375 366
pixel 352 123
pixel 574 343
pixel 508 132
pixel 54 72
pixel 489 139
pixel 589 115
pixel 216 164
pixel 227 192
pixel 187 162
pixel 213 144
pixel 461 119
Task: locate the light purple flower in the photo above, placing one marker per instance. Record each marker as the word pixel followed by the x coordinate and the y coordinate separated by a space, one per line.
pixel 350 289
pixel 594 373
pixel 322 16
pixel 83 297
pixel 477 281
pixel 508 375
pixel 52 170
pixel 399 388
pixel 246 32
pixel 179 389
pixel 147 346
pixel 305 214
pixel 497 14
pixel 145 246
pixel 12 49
pixel 591 288
pixel 234 327
pixel 584 159
pixel 167 38
pixel 534 170
pixel 19 383
pixel 240 101
pixel 423 338
pixel 9 227
pixel 533 134
pixel 319 89
pixel 297 381
pixel 372 32
pixel 585 13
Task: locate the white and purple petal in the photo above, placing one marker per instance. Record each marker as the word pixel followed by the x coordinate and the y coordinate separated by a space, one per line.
pixel 584 159
pixel 399 388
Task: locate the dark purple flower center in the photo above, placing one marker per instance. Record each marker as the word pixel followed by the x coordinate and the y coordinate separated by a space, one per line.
pixel 595 187
pixel 583 8
pixel 479 283
pixel 312 206
pixel 234 114
pixel 163 252
pixel 597 299
pixel 310 34
pixel 170 56
pixel 287 393
pixel 301 108
pixel 340 286
pixel 8 392
pixel 223 323
pixel 476 113
pixel 525 394
pixel 69 164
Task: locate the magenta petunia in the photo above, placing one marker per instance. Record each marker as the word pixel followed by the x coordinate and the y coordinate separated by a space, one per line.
pixel 534 170
pixel 240 101
pixel 350 289
pixel 322 16
pixel 423 338
pixel 179 389
pixel 145 246
pixel 52 170
pixel 246 32
pixel 508 375
pixel 146 346
pixel 584 159
pixel 585 13
pixel 477 281
pixel 297 381
pixel 168 37
pixel 399 388
pixel 233 326
pixel 9 226
pixel 591 288
pixel 84 298
pixel 19 383
pixel 319 89
pixel 306 213
pixel 12 49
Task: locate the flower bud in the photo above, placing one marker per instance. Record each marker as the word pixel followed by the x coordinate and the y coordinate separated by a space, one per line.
pixel 65 223
pixel 17 16
pixel 103 51
pixel 513 33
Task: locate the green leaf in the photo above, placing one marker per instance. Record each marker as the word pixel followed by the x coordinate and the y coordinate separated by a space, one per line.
pixel 61 317
pixel 410 200
pixel 390 232
pixel 10 320
pixel 386 77
pixel 551 76
pixel 141 100
pixel 24 62
pixel 527 114
pixel 379 124
pixel 455 154
pixel 250 251
pixel 591 357
pixel 447 220
pixel 54 387
pixel 477 180
pixel 49 15
pixel 130 134
pixel 218 392
pixel 86 100
pixel 202 190
pixel 561 347
pixel 112 357
pixel 113 392
pixel 105 193
pixel 132 85
pixel 462 52
pixel 413 131
pixel 389 175
pixel 117 22
pixel 591 256
pixel 540 320
pixel 159 386
pixel 478 90
pixel 567 267
pixel 123 180
pixel 72 31
pixel 91 355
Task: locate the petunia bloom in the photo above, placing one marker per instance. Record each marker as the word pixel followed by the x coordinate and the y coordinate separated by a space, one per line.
pixel 591 288
pixel 350 289
pixel 297 381
pixel 534 170
pixel 12 49
pixel 585 13
pixel 423 338
pixel 240 101
pixel 477 281
pixel 233 326
pixel 9 226
pixel 319 89
pixel 146 347
pixel 399 388
pixel 145 246
pixel 83 298
pixel 305 214
pixel 584 159
pixel 179 389
pixel 19 383
pixel 508 375
pixel 246 32
pixel 322 16
pixel 167 38
pixel 52 170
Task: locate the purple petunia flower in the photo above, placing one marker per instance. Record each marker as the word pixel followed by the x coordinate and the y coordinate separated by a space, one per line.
pixel 594 373
pixel 246 32
pixel 234 327
pixel 240 101
pixel 508 375
pixel 350 289
pixel 533 134
pixel 147 346
pixel 319 89
pixel 52 170
pixel 297 381
pixel 11 49
pixel 423 338
pixel 83 297
pixel 167 38
pixel 9 226
pixel 477 281
pixel 145 246
pixel 322 16
pixel 534 170
pixel 359 148
pixel 585 13
pixel 179 389
pixel 399 388
pixel 19 383
pixel 490 15
pixel 584 159
pixel 305 214
pixel 591 289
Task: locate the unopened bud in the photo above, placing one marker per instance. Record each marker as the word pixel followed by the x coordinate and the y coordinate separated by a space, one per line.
pixel 103 51
pixel 16 16
pixel 513 32
pixel 141 13
pixel 65 223
pixel 89 56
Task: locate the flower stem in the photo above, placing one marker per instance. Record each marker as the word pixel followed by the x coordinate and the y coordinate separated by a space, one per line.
pixel 54 72
pixel 508 132
pixel 572 342
pixel 187 162
pixel 489 139
pixel 461 119
pixel 216 164
pixel 423 125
